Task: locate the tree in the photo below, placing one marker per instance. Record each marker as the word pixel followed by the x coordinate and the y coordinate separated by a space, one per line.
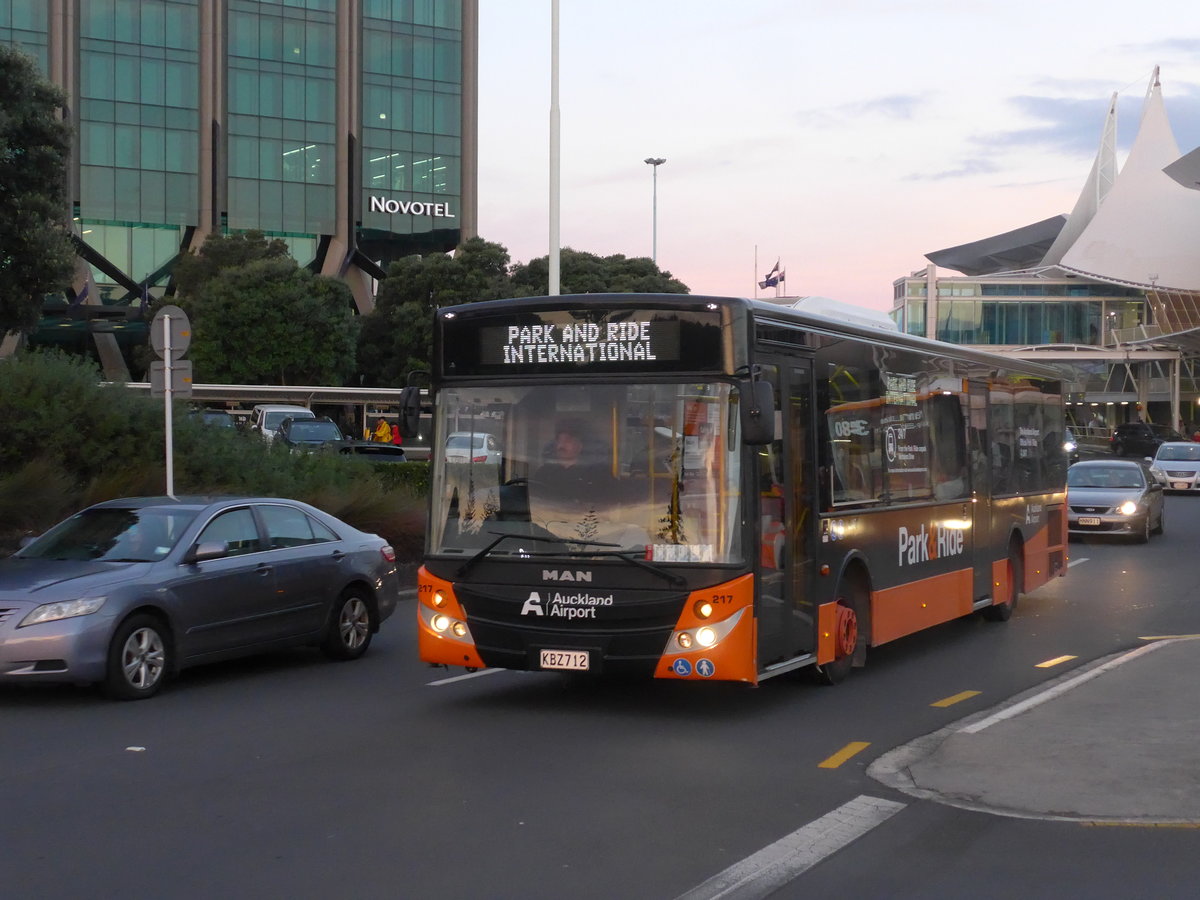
pixel 222 251
pixel 37 256
pixel 587 273
pixel 397 335
pixel 271 322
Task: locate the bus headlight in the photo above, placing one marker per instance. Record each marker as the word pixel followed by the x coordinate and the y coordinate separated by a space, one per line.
pixel 445 626
pixel 703 609
pixel 439 599
pixel 1128 508
pixel 703 637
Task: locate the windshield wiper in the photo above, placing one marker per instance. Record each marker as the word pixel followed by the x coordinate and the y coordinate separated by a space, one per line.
pixel 626 555
pixel 502 535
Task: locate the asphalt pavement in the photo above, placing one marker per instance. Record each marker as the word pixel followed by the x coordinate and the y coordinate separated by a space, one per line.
pixel 1116 741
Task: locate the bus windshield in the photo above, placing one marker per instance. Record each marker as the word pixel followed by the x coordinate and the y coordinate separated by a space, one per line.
pixel 649 470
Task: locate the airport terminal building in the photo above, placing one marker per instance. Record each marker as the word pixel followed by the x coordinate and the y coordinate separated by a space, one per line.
pixel 1109 293
pixel 345 127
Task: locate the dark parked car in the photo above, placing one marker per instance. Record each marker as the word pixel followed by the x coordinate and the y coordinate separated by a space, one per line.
pixel 1141 439
pixel 129 592
pixel 1114 497
pixel 310 434
pixel 218 417
pixel 375 451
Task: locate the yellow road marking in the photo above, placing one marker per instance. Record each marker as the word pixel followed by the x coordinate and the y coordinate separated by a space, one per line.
pixel 1053 662
pixel 1167 637
pixel 844 754
pixel 957 698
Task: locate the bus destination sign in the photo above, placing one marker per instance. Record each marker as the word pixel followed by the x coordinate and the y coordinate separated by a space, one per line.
pixel 573 341
pixel 584 343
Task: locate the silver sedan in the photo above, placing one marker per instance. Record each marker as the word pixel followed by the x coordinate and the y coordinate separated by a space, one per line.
pixel 1179 461
pixel 129 592
pixel 1114 497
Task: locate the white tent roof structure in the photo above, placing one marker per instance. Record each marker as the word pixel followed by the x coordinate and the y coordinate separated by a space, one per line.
pixel 1138 227
pixel 1146 231
pixel 1095 189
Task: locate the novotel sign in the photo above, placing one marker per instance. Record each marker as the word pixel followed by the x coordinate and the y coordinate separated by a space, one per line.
pixel 411 208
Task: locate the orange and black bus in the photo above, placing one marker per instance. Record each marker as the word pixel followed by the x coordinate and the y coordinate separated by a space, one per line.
pixel 709 488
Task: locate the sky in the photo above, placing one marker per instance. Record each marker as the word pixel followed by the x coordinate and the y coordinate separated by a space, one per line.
pixel 845 140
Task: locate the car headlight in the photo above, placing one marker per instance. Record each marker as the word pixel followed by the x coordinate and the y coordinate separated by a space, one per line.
pixel 1128 508
pixel 64 609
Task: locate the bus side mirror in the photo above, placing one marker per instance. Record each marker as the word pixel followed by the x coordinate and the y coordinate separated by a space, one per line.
pixel 758 413
pixel 409 416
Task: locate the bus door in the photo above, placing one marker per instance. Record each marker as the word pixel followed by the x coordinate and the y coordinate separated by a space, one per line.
pixel 979 448
pixel 786 483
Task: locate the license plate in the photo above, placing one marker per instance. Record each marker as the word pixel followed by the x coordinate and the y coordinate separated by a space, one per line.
pixel 571 660
pixel 1181 485
pixel 1089 520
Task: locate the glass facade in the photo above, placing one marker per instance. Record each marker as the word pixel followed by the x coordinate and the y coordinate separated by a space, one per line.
pixel 1011 321
pixel 138 129
pixel 282 101
pixel 412 123
pixel 166 154
pixel 26 25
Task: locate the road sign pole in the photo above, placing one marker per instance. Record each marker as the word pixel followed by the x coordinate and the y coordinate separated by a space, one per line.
pixel 168 394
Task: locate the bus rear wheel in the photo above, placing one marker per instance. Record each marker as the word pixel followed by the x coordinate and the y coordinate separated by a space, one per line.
pixel 848 637
pixel 1002 612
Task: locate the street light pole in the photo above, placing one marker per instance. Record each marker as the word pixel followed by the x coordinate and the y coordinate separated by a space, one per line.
pixel 654 162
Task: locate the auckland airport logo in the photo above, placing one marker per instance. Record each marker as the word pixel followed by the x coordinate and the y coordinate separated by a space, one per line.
pixel 411 208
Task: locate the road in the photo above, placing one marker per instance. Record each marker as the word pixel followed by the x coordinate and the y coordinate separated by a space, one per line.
pixel 290 776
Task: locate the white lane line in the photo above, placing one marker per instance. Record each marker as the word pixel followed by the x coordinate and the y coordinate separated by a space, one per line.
pixel 1058 689
pixel 1076 562
pixel 761 873
pixel 464 677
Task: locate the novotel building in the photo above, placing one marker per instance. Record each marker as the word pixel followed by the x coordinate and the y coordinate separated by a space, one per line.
pixel 345 127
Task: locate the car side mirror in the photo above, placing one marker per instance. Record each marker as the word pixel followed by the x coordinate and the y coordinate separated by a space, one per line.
pixel 206 551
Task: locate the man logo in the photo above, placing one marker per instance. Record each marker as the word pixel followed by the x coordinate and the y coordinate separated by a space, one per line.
pixel 533 605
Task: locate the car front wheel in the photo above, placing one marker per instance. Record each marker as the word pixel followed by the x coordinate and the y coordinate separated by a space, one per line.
pixel 1142 536
pixel 350 628
pixel 139 659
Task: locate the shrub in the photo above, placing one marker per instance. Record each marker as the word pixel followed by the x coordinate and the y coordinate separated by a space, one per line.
pixel 71 442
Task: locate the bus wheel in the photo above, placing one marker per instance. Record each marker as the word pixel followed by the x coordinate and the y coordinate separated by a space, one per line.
pixel 1002 612
pixel 852 600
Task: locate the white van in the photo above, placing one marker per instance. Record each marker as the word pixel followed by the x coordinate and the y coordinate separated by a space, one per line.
pixel 267 416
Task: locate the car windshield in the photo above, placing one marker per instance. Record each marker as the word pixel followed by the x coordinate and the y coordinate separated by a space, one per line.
pixel 1182 452
pixel 314 431
pixel 272 418
pixel 1105 477
pixel 113 535
pixel 464 442
pixel 652 470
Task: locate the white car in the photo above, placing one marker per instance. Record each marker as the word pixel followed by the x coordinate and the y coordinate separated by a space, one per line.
pixel 1179 461
pixel 475 447
pixel 267 416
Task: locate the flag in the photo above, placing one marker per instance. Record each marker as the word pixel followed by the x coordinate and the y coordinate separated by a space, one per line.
pixel 772 278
